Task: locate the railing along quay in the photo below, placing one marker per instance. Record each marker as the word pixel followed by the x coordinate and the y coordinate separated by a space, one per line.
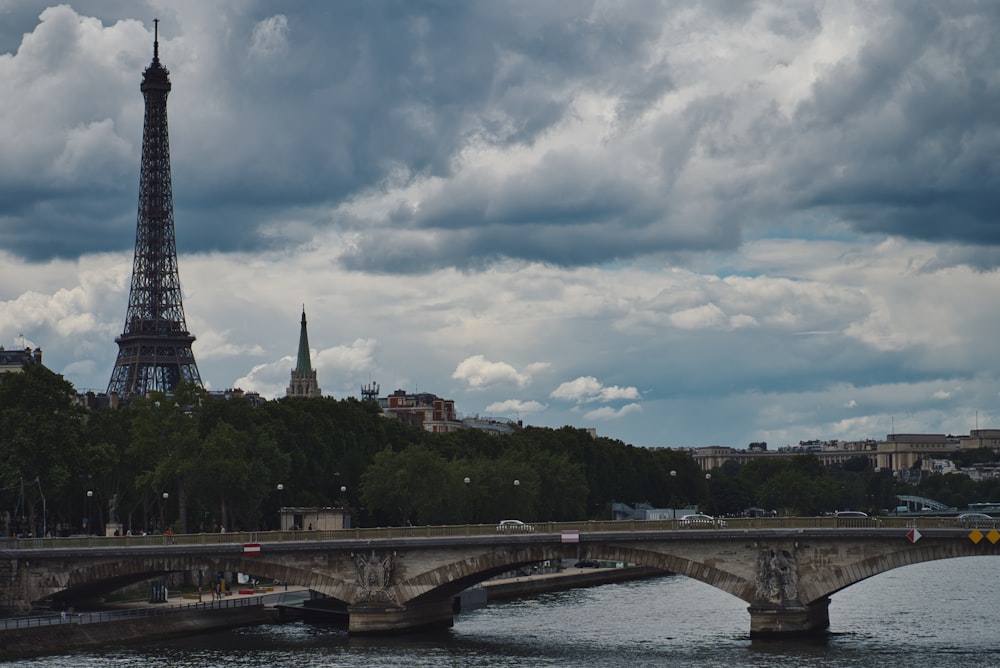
pixel 128 613
pixel 460 530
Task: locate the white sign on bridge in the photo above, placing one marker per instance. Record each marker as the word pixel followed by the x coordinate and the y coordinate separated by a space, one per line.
pixel 570 536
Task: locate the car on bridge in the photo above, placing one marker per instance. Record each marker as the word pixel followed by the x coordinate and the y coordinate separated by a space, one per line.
pixel 975 521
pixel 514 526
pixel 702 521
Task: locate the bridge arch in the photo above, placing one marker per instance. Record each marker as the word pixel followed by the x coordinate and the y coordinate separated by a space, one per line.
pixel 93 579
pixel 674 562
pixel 450 579
pixel 839 578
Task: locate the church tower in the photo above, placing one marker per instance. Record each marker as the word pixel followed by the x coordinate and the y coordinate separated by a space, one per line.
pixel 154 350
pixel 303 382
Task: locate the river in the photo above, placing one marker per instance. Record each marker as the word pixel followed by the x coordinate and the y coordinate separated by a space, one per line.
pixel 943 613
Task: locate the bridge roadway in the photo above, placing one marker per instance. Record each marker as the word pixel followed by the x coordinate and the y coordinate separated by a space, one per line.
pixel 399 579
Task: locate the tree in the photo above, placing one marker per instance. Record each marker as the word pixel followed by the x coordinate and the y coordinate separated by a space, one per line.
pixel 40 435
pixel 409 487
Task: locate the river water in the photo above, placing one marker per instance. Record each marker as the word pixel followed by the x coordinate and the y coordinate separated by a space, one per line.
pixel 943 613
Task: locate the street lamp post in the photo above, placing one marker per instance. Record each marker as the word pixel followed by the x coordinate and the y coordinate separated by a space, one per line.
pixel 673 493
pixel 708 486
pixel 517 498
pixel 163 510
pixel 281 488
pixel 86 520
pixel 469 515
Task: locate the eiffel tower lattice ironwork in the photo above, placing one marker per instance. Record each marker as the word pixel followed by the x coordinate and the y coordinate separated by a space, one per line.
pixel 154 350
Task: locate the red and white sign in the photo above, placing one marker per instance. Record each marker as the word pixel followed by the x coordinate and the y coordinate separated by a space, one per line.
pixel 571 536
pixel 251 548
pixel 913 535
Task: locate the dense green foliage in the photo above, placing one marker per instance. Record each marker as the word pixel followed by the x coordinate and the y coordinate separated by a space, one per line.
pixel 198 463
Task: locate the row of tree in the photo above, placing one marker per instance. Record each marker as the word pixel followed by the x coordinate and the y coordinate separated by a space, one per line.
pixel 199 463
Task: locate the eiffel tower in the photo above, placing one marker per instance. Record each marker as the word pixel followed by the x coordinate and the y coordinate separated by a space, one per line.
pixel 154 350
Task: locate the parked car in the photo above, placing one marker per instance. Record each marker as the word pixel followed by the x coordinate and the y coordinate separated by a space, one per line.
pixel 701 520
pixel 587 563
pixel 514 526
pixel 975 521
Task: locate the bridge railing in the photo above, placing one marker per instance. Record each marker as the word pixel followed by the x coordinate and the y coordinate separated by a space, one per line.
pixel 430 531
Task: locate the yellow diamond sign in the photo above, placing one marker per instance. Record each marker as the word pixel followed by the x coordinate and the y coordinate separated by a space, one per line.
pixel 993 536
pixel 975 536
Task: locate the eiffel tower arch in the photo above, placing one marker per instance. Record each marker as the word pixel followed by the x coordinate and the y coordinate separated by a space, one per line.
pixel 154 349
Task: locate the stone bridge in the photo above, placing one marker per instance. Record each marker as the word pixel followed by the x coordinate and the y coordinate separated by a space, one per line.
pixel 402 580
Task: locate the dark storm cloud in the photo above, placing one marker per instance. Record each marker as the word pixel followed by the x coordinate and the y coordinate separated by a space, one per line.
pixel 293 112
pixel 910 128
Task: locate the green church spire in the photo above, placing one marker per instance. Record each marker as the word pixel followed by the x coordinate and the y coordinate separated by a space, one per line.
pixel 303 381
pixel 303 365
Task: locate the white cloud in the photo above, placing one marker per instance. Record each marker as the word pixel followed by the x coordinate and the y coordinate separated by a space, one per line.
pixel 477 372
pixel 587 389
pixel 270 37
pixel 609 413
pixel 515 407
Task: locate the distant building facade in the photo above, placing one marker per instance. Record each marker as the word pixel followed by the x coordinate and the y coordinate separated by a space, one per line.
pixel 902 451
pixel 14 361
pixel 981 438
pixel 830 453
pixel 422 410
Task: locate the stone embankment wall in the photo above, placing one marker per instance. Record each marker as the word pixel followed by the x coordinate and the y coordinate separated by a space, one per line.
pixel 56 638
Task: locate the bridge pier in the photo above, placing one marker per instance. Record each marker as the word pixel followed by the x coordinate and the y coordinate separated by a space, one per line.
pixel 789 618
pixel 387 618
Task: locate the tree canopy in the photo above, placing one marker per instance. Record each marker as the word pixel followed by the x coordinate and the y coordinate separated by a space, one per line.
pixel 198 462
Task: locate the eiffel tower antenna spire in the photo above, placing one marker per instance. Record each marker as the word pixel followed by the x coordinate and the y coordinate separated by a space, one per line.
pixel 154 350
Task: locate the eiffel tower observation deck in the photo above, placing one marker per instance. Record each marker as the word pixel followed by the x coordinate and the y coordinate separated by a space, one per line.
pixel 154 350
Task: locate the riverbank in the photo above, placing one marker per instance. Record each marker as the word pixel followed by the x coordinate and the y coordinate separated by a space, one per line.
pixel 180 616
pixel 57 633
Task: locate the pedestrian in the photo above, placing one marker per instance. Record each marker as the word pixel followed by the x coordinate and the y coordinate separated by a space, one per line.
pixel 170 536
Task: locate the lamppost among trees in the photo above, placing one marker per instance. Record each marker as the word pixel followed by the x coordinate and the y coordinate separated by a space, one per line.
pixel 281 488
pixel 673 493
pixel 517 498
pixel 469 516
pixel 708 487
pixel 86 520
pixel 163 510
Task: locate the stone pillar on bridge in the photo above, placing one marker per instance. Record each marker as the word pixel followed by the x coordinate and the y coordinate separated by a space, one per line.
pixel 376 608
pixel 777 607
pixel 372 618
pixel 789 618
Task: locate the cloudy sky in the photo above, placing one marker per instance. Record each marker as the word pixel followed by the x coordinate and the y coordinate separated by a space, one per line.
pixel 680 223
